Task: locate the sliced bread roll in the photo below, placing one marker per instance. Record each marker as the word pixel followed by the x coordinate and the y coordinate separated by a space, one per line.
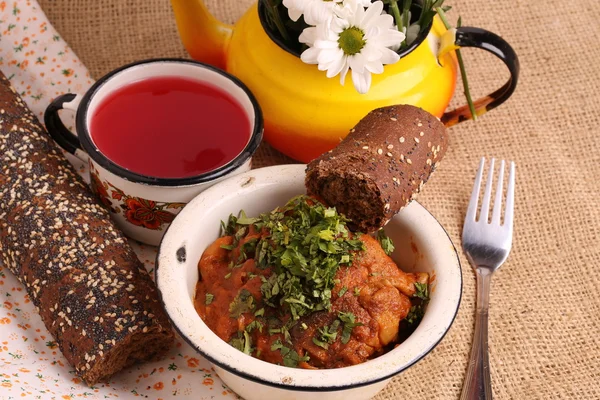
pixel 380 166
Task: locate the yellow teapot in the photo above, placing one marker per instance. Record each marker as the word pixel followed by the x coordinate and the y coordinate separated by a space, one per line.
pixel 306 113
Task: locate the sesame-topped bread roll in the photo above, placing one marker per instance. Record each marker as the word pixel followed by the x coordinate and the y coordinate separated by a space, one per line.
pixel 93 294
pixel 380 166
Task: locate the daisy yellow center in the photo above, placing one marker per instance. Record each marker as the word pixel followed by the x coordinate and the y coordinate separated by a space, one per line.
pixel 351 41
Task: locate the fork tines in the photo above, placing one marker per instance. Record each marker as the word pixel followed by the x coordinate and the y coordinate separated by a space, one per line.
pixel 485 205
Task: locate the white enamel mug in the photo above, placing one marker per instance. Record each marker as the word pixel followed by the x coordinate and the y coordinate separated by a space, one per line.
pixel 143 206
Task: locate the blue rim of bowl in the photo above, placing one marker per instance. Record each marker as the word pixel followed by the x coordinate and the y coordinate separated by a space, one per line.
pixel 314 388
pixel 88 144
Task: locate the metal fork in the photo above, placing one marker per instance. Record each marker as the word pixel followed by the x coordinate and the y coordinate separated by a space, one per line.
pixel 486 245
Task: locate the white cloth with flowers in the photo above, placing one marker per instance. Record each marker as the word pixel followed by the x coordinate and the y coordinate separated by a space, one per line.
pixel 40 65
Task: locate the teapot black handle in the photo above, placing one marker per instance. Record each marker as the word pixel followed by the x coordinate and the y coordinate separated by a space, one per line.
pixel 486 40
pixel 58 131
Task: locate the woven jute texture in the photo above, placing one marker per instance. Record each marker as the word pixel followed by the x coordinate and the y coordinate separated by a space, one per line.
pixel 545 306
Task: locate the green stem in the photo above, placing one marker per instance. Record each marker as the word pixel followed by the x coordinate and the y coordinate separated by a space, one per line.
pixel 461 65
pixel 396 13
pixel 426 6
pixel 274 11
pixel 406 12
pixel 406 21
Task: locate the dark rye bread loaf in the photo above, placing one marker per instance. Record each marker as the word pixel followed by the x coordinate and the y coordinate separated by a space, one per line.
pixel 380 166
pixel 93 294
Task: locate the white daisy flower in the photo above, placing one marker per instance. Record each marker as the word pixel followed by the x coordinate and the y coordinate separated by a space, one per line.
pixel 315 11
pixel 356 39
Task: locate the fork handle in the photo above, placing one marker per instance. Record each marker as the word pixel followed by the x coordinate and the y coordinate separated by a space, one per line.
pixel 478 385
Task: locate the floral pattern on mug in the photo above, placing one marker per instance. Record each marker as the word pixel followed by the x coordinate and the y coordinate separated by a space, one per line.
pixel 149 214
pixel 100 189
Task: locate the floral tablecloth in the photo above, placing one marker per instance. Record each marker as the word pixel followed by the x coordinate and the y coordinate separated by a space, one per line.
pixel 40 65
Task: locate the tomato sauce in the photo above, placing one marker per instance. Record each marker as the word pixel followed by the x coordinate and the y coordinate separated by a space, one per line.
pixel 370 299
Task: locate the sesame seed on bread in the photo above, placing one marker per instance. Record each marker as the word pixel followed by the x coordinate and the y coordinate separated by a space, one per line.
pixel 380 166
pixel 92 292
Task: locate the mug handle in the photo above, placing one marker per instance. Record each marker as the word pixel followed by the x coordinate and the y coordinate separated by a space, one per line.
pixel 486 40
pixel 58 131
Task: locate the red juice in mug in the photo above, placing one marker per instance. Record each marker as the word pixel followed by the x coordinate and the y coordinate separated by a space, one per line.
pixel 170 127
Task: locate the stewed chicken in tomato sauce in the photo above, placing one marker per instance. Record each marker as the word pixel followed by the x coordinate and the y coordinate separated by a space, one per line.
pixel 294 287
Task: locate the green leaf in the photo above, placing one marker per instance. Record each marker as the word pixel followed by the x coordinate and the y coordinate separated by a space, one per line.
pixel 256 324
pixel 244 220
pixel 421 291
pixel 227 247
pixel 247 343
pixel 386 242
pixel 247 250
pixel 290 357
pixel 240 233
pixel 328 334
pixel 242 342
pixel 320 343
pixel 242 303
pixel 276 345
pixel 326 234
pixel 415 314
pixel 208 298
pixel 228 228
pixel 349 320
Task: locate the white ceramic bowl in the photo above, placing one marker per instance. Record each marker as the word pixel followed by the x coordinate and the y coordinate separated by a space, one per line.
pixel 421 245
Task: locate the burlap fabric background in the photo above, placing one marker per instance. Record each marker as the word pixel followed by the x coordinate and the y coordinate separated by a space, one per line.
pixel 545 307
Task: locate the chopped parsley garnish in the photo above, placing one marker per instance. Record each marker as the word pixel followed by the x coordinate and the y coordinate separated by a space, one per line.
pixel 386 242
pixel 357 291
pixel 320 343
pixel 350 323
pixel 244 220
pixel 305 245
pixel 247 250
pixel 242 342
pixel 415 314
pixel 327 335
pixel 247 344
pixel 256 324
pixel 283 329
pixel 240 233
pixel 290 357
pixel 422 291
pixel 208 298
pixel 228 229
pixel 227 247
pixel 243 303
